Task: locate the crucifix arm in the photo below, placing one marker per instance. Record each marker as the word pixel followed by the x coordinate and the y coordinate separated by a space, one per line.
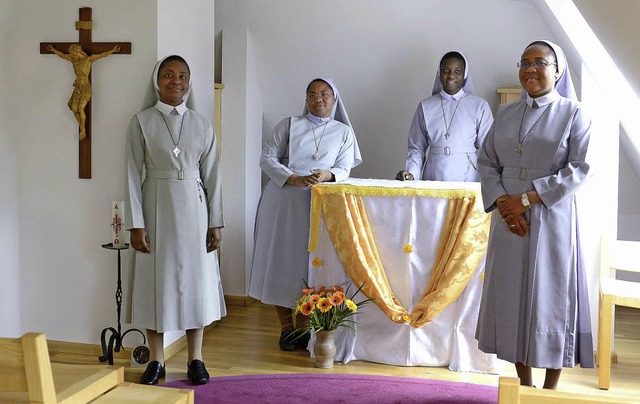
pixel 97 56
pixel 60 54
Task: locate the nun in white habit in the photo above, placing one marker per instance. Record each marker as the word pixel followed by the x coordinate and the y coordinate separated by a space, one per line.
pixel 174 213
pixel 448 127
pixel 317 146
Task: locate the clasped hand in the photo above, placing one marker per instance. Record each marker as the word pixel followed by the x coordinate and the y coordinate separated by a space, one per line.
pixel 512 212
pixel 305 181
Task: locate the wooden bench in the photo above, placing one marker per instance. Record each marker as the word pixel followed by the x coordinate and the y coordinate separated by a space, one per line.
pixel 28 376
pixel 139 393
pixel 510 392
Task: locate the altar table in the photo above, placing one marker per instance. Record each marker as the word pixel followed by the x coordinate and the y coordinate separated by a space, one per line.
pixel 405 220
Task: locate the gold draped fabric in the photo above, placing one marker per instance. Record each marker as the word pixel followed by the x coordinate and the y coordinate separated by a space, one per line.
pixel 461 247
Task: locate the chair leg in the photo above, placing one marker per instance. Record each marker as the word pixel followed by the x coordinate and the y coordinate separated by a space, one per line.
pixel 605 331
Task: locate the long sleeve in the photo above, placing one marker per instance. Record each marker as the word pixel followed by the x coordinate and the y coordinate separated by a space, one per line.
pixel 554 188
pixel 212 178
pixel 346 157
pixel 134 156
pixel 485 120
pixel 418 142
pixel 275 154
pixel 490 171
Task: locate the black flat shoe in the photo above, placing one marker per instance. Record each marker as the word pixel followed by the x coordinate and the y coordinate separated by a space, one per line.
pixel 303 340
pixel 153 373
pixel 197 373
pixel 286 341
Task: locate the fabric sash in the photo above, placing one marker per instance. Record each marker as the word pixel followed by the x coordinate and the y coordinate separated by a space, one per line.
pixel 462 245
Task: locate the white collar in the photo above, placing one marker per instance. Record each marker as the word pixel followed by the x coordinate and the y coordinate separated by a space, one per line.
pixel 544 99
pixel 450 97
pixel 167 109
pixel 316 119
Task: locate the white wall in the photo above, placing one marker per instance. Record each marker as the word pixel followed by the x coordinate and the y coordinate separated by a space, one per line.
pixel 9 230
pixel 188 31
pixel 383 56
pixel 67 280
pixel 242 122
pixel 615 22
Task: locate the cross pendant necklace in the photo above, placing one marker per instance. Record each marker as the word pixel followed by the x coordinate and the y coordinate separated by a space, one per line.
pixel 176 150
pixel 316 155
pixel 446 127
pixel 521 139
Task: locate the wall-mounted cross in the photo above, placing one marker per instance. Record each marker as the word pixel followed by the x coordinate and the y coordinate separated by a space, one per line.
pixel 93 51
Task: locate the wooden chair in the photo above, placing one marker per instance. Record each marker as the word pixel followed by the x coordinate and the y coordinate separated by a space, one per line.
pixel 510 392
pixel 27 375
pixel 615 255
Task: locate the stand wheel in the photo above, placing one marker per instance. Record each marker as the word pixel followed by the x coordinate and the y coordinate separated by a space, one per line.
pixel 140 354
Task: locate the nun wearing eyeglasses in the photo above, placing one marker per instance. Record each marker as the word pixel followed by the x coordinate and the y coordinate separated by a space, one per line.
pixel 448 127
pixel 535 309
pixel 317 146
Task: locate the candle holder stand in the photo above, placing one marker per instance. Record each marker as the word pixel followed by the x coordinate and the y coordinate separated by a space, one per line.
pixel 116 337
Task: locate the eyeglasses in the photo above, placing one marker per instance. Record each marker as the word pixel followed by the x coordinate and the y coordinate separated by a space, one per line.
pixel 325 95
pixel 538 64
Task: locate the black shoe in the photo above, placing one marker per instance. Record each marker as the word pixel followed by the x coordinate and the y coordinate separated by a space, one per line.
pixel 153 373
pixel 197 373
pixel 303 339
pixel 286 341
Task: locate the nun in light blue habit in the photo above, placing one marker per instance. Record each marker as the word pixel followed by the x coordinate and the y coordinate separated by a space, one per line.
pixel 448 127
pixel 535 306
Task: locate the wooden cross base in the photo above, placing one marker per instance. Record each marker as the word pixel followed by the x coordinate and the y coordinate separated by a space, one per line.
pixel 84 39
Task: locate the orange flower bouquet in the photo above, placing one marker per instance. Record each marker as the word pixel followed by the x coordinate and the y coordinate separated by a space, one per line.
pixel 329 308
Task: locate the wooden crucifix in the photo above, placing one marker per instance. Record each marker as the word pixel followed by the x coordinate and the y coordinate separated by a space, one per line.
pixel 82 54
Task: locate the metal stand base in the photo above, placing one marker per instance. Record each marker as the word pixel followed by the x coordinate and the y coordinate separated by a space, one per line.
pixel 116 337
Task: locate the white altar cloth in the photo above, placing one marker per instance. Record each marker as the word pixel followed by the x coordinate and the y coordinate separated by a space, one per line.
pixel 395 222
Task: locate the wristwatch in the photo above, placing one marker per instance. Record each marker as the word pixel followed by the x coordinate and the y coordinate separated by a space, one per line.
pixel 525 201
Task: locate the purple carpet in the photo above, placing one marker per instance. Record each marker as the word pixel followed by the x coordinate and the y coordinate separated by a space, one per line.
pixel 335 388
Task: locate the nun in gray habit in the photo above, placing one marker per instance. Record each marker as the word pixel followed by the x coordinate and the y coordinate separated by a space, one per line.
pixel 535 308
pixel 303 150
pixel 174 213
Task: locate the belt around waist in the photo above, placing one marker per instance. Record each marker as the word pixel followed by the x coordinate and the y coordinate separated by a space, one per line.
pixel 447 151
pixel 173 174
pixel 524 173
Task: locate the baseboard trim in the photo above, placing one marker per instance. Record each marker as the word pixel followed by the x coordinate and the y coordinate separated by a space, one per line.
pixel 82 353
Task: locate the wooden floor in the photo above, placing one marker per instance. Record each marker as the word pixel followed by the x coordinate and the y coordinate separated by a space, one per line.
pixel 246 342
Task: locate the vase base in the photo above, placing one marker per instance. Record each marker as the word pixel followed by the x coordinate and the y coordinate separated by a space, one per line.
pixel 324 365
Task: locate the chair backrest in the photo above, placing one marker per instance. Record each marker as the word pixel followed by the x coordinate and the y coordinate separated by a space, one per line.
pixel 618 255
pixel 510 392
pixel 25 367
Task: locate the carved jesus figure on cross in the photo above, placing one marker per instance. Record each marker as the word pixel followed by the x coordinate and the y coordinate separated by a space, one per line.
pixel 82 86
pixel 82 54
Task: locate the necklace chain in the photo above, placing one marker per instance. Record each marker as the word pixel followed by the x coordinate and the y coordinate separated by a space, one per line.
pixel 444 116
pixel 521 139
pixel 176 150
pixel 316 155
